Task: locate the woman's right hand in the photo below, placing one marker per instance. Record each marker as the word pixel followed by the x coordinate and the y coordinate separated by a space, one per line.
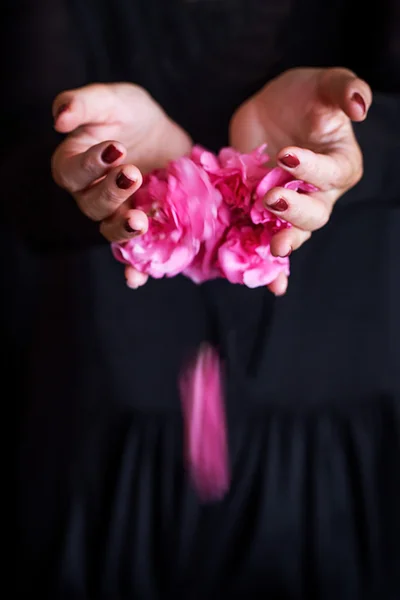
pixel 115 133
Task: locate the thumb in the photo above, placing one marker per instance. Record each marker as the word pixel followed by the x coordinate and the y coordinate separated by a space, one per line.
pixel 342 88
pixel 89 104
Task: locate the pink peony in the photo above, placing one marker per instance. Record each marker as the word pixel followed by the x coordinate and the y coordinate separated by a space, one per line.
pixel 234 174
pixel 205 159
pixel 252 165
pixel 182 205
pixel 207 219
pixel 206 447
pixel 204 266
pixel 245 257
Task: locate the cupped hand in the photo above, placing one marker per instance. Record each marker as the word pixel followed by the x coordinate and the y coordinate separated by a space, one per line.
pixel 116 132
pixel 305 116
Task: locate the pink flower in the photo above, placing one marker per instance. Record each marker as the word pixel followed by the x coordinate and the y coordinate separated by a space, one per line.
pixel 205 159
pixel 182 206
pixel 207 219
pixel 204 266
pixel 252 165
pixel 234 174
pixel 277 177
pixel 245 257
pixel 206 448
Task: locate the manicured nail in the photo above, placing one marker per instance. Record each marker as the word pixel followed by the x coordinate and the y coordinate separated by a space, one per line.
pixel 289 160
pixel 61 109
pixel 280 205
pixel 129 229
pixel 358 99
pixel 110 154
pixel 123 182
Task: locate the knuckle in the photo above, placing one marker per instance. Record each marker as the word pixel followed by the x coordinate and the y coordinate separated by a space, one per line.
pixel 113 230
pixel 89 164
pixel 54 168
pixel 112 196
pixel 338 175
pixel 106 231
pixel 358 173
pixel 301 238
pixel 324 215
pixel 88 207
pixel 355 168
pixel 57 170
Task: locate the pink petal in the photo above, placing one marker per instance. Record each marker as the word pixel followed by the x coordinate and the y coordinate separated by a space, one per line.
pixel 300 186
pixel 206 448
pixel 206 159
pixel 277 177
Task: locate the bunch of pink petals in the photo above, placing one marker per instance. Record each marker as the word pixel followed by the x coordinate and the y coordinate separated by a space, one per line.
pixel 207 219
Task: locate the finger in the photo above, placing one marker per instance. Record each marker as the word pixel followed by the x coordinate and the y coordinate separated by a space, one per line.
pixel 105 197
pixel 342 88
pixel 75 171
pixel 339 169
pixel 125 224
pixel 307 212
pixel 280 285
pixel 82 106
pixel 134 279
pixel 287 240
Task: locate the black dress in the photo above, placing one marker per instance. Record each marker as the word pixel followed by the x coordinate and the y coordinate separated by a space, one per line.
pixel 105 508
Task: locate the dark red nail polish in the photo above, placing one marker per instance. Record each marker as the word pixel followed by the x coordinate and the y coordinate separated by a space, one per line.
pixel 123 182
pixel 110 154
pixel 359 100
pixel 61 109
pixel 289 160
pixel 280 205
pixel 129 229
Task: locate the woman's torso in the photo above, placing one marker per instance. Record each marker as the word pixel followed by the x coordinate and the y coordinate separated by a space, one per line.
pixel 314 387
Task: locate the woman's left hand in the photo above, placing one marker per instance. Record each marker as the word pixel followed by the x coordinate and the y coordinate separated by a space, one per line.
pixel 305 116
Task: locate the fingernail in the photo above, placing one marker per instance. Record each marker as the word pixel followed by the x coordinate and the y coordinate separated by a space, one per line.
pixel 289 160
pixel 280 205
pixel 110 154
pixel 129 229
pixel 359 100
pixel 61 109
pixel 123 182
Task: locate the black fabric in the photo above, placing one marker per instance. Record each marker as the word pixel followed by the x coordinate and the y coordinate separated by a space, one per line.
pixel 105 510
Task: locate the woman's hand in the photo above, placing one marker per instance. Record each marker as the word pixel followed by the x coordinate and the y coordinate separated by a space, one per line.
pixel 305 116
pixel 116 132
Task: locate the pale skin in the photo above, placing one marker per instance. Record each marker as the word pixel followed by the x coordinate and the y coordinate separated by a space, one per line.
pixel 116 132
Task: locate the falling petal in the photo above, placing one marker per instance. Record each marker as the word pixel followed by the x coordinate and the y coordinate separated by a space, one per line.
pixel 206 448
